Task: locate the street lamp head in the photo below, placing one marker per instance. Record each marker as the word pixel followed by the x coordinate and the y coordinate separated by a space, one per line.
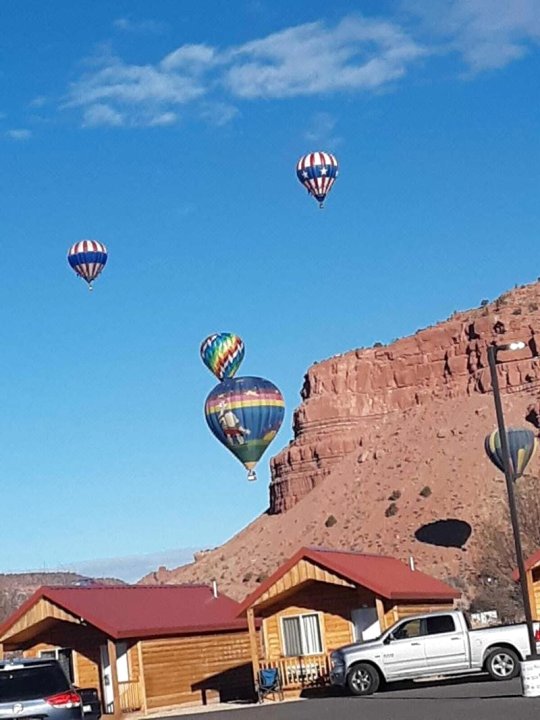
pixel 517 345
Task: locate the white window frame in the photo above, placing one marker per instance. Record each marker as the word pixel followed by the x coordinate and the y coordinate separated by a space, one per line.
pixel 303 641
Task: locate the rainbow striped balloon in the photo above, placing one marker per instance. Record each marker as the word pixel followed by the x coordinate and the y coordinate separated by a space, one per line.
pixel 222 353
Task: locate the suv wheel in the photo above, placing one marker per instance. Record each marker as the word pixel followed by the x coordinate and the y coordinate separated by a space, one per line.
pixel 363 679
pixel 502 664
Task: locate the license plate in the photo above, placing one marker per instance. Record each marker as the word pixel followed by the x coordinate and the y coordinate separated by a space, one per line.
pixel 87 708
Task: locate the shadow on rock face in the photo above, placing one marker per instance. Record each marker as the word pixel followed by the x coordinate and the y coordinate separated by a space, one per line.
pixel 445 533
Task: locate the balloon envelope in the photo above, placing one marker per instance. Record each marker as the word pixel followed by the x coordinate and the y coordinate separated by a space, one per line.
pixel 222 353
pixel 521 448
pixel 88 258
pixel 317 171
pixel 245 415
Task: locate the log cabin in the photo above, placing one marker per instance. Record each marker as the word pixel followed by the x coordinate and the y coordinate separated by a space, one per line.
pixel 143 647
pixel 532 569
pixel 322 599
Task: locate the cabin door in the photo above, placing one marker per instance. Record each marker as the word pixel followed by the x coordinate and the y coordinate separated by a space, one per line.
pixel 122 669
pixel 366 624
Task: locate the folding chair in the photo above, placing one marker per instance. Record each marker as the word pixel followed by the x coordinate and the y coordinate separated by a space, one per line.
pixel 269 682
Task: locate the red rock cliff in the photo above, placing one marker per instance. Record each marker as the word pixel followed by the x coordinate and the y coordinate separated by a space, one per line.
pixel 344 396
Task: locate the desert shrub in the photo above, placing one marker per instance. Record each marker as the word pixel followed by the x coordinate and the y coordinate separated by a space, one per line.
pixel 395 495
pixel 392 509
pixel 425 491
pixel 330 521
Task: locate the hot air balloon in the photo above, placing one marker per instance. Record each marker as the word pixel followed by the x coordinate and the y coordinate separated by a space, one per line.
pixel 245 415
pixel 88 258
pixel 521 448
pixel 222 353
pixel 317 171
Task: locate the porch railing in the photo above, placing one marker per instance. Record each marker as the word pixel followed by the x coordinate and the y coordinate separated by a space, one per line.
pixel 130 698
pixel 300 672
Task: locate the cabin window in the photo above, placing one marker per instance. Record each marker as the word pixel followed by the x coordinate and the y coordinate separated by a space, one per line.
pixel 301 635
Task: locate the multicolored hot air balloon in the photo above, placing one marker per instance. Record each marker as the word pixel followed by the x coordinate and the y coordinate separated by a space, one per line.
pixel 317 171
pixel 88 258
pixel 521 448
pixel 245 415
pixel 222 353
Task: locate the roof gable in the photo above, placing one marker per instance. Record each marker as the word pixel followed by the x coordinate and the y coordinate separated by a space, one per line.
pixel 385 576
pixel 302 571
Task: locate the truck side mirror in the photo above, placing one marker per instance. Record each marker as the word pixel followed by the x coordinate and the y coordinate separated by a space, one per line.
pixel 388 639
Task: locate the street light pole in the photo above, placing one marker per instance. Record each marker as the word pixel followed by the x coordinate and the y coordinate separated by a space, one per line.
pixel 509 475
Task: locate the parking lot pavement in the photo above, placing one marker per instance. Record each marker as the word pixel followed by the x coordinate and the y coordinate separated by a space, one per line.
pixel 444 700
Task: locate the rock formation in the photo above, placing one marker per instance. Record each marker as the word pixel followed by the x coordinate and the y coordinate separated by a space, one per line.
pixel 388 440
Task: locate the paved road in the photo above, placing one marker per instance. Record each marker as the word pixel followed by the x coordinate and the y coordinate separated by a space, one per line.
pixel 445 700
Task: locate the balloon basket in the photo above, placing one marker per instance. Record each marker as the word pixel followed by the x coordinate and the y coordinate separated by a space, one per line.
pixel 252 475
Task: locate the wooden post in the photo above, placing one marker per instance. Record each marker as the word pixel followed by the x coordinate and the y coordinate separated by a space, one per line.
pixel 380 613
pixel 1 651
pixel 253 644
pixel 113 661
pixel 142 680
pixel 532 594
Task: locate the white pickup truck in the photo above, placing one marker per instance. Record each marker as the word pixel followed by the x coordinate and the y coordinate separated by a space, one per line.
pixel 429 645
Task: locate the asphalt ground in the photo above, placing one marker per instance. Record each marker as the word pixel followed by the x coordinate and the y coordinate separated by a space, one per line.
pixel 466 699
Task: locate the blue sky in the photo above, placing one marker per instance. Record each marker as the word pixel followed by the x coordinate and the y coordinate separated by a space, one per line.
pixel 170 132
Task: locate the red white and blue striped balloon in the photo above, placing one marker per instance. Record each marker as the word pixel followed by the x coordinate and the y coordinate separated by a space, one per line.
pixel 88 258
pixel 317 171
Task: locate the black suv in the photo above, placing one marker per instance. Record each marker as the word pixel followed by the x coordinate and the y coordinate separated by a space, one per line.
pixel 37 689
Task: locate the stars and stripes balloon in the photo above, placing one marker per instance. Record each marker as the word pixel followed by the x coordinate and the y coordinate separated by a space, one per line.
pixel 317 171
pixel 88 258
pixel 245 414
pixel 222 353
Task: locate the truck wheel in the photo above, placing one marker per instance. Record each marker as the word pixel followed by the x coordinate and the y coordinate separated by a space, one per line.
pixel 363 679
pixel 502 664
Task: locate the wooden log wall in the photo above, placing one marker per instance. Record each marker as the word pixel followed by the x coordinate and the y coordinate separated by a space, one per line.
pixel 533 585
pixel 334 602
pixel 191 669
pixel 85 663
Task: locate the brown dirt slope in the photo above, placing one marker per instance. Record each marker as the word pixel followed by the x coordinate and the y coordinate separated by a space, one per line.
pixel 387 440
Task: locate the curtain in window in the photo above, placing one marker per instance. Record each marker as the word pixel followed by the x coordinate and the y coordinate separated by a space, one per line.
pixel 292 638
pixel 312 634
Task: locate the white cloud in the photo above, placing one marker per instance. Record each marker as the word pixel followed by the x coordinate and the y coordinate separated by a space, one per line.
pixel 489 34
pixel 218 113
pixel 304 60
pixel 321 130
pixel 166 118
pixel 357 54
pixel 99 114
pixel 311 59
pixel 19 134
pixel 130 568
pixel 38 101
pixel 192 57
pixel 129 25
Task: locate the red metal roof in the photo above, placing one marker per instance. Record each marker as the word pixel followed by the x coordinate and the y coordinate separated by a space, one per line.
pixel 385 576
pixel 142 610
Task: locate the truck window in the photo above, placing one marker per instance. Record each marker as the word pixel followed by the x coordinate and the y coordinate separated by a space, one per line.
pixel 409 629
pixel 440 624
